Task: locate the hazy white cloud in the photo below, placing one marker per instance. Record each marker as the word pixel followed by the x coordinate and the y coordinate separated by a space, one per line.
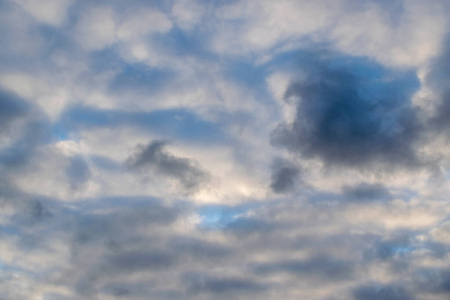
pixel 188 13
pixel 404 33
pixel 51 12
pixel 96 28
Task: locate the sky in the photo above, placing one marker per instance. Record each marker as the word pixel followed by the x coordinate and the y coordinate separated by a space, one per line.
pixel 235 149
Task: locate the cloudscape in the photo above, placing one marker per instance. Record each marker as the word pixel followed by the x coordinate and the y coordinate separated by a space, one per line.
pixel 236 149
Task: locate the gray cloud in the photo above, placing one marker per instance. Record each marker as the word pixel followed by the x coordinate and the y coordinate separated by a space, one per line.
pixel 352 112
pixel 204 283
pixel 114 243
pixel 136 261
pixel 309 243
pixel 199 249
pixel 115 226
pixel 285 176
pixel 438 80
pixel 78 172
pixel 128 289
pixel 366 192
pixel 24 125
pixel 186 172
pixel 11 107
pixel 432 280
pixel 322 267
pixel 382 292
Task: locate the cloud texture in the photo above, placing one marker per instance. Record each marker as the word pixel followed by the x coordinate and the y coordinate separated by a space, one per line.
pixel 194 149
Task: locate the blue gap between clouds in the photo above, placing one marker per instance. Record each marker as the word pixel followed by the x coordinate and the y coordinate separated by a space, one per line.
pixel 218 217
pixel 178 124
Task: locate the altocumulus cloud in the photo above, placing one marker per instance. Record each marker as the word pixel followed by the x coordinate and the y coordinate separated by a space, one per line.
pixel 190 149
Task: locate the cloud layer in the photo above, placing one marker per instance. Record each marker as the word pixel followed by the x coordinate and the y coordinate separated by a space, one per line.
pixel 191 149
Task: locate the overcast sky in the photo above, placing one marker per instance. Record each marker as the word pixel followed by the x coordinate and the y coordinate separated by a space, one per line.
pixel 236 149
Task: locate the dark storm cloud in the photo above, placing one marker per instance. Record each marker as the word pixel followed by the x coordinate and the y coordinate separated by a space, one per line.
pixel 382 292
pixel 285 176
pixel 185 171
pixel 351 112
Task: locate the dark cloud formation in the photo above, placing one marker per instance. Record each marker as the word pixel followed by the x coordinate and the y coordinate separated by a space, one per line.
pixel 351 112
pixel 185 171
pixel 285 176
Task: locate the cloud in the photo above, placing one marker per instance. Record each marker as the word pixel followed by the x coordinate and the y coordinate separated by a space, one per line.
pixel 199 249
pixel 351 112
pixel 11 107
pixel 22 129
pixel 437 79
pixel 204 283
pixel 96 28
pixel 325 268
pixel 284 176
pixel 366 192
pixel 442 233
pixel 52 12
pixel 78 172
pixel 187 13
pixel 433 280
pixel 389 292
pixel 302 135
pixel 185 172
pixel 129 262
